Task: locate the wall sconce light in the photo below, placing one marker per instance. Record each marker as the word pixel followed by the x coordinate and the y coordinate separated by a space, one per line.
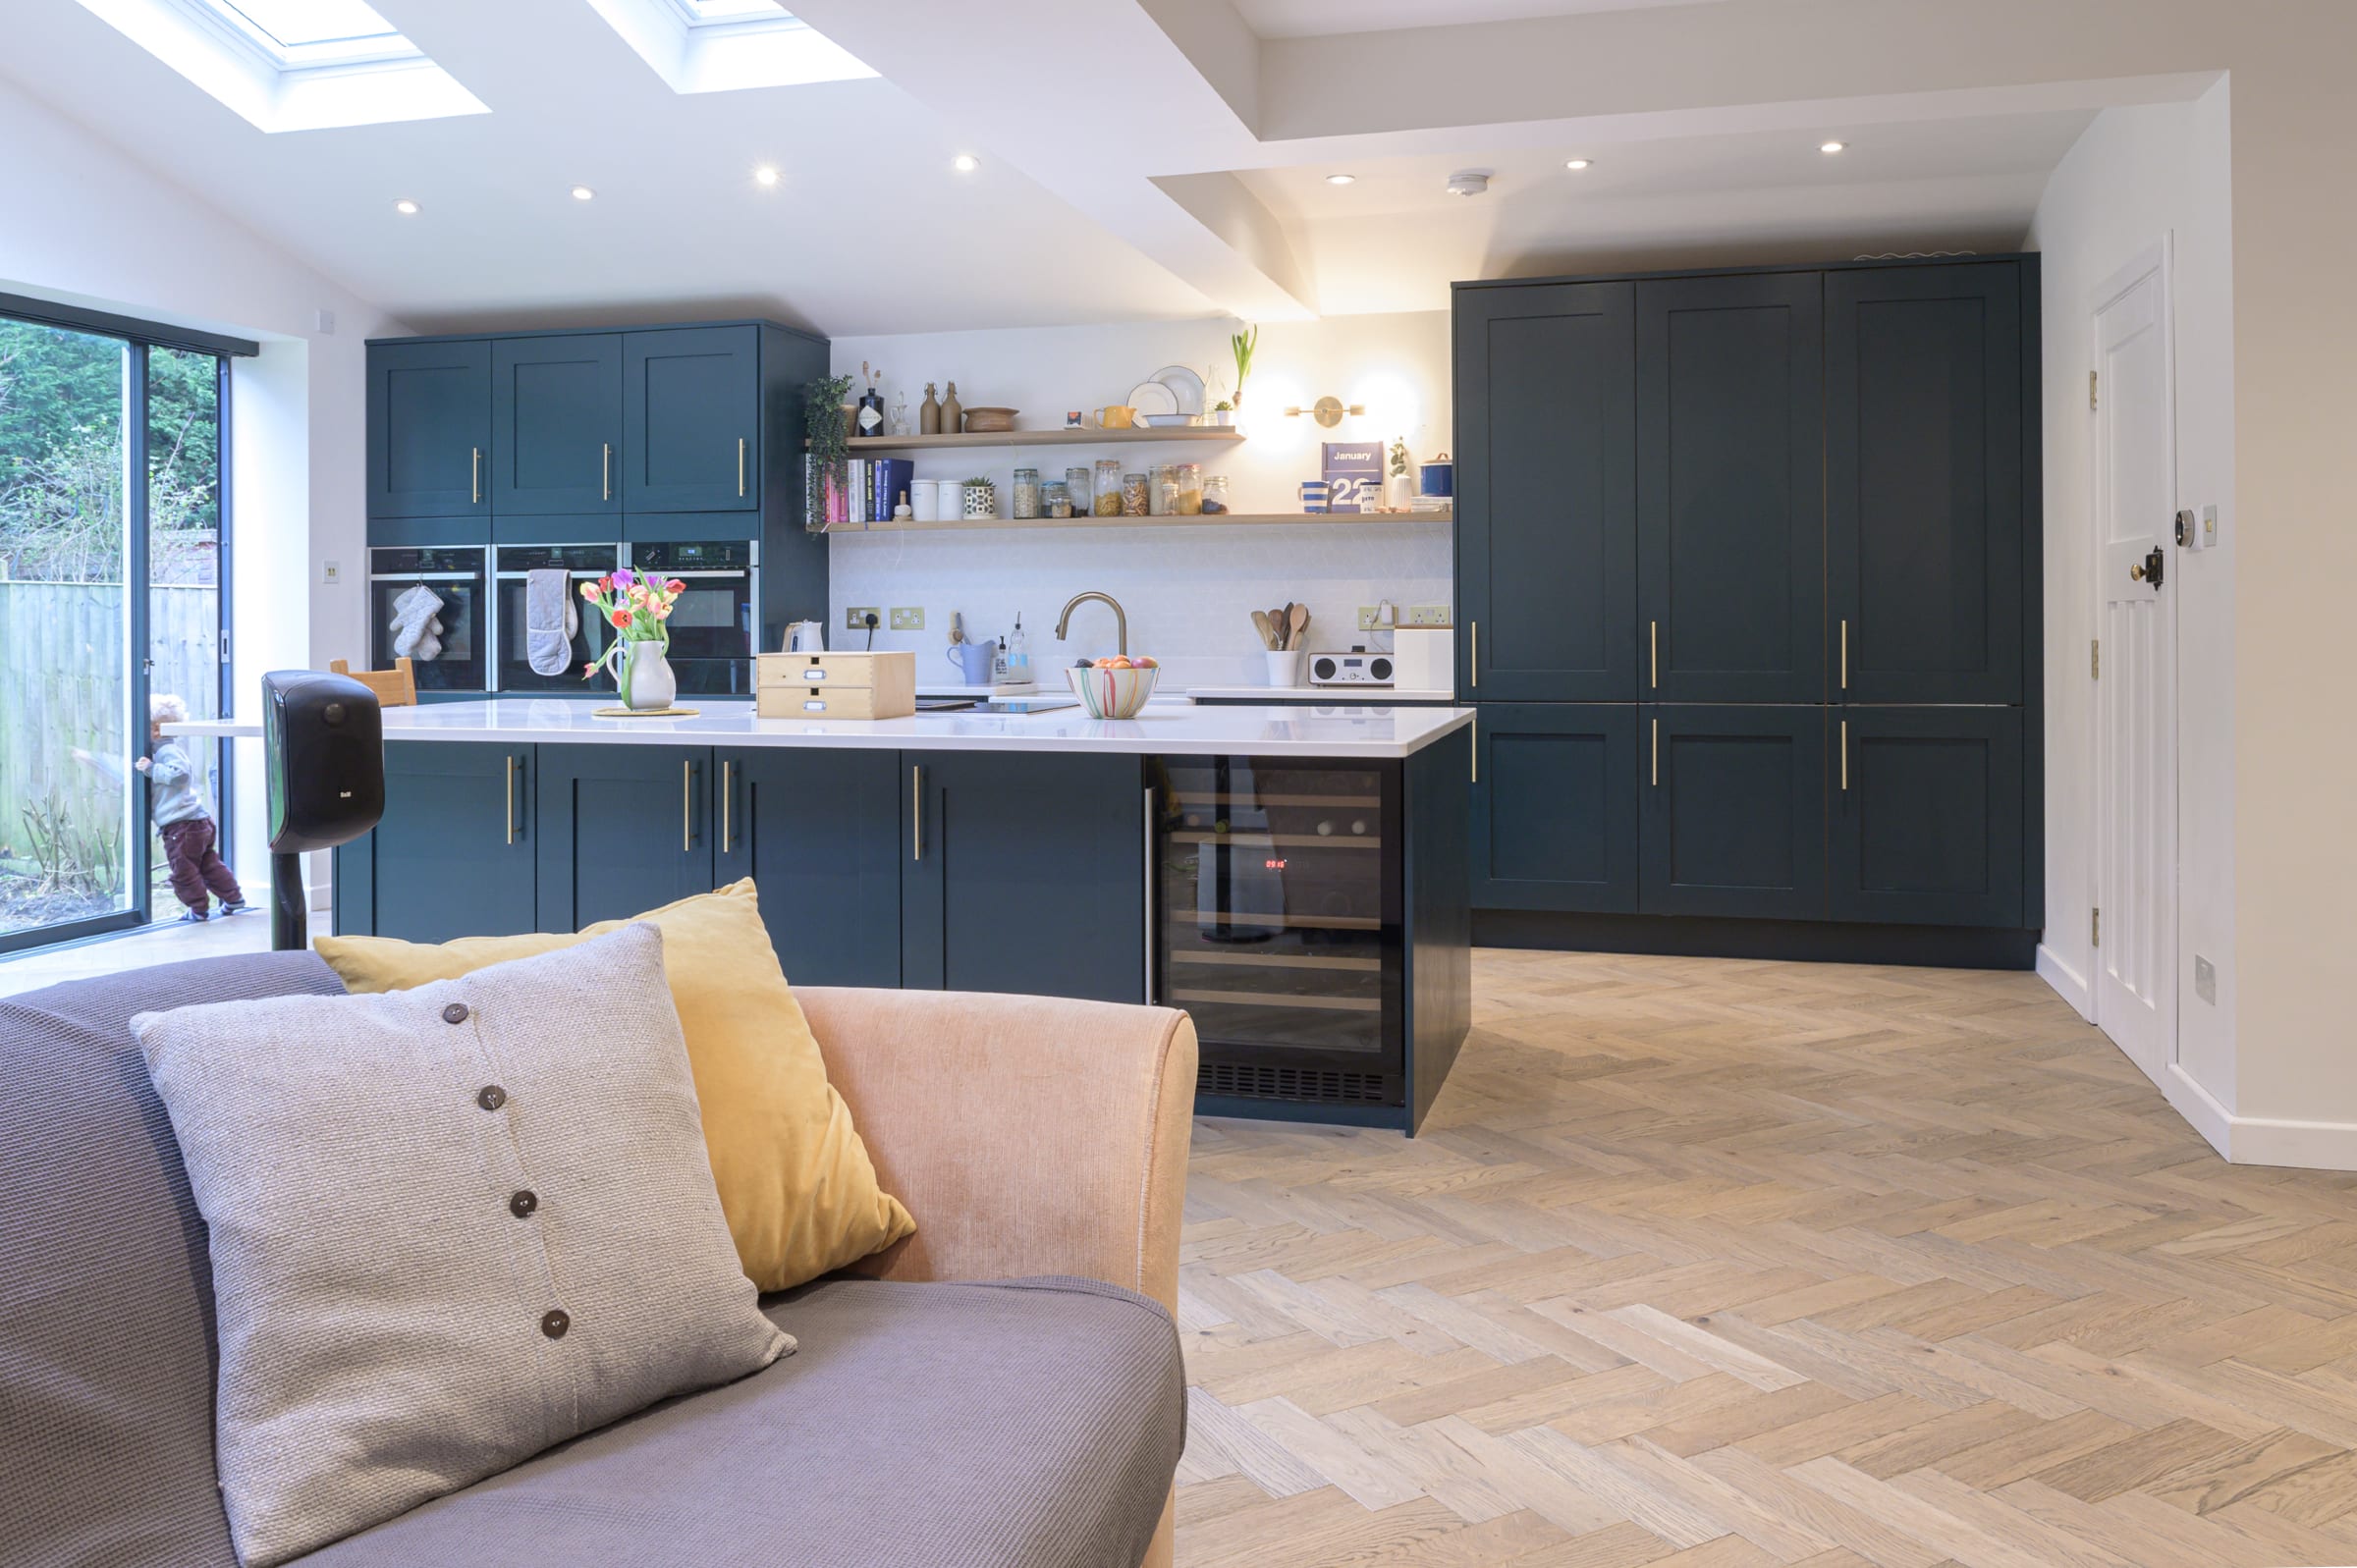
pixel 1328 411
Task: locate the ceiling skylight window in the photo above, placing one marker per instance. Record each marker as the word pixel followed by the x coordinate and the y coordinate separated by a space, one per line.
pixel 717 45
pixel 293 64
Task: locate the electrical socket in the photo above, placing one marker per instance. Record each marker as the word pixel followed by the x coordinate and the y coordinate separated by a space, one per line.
pixel 2205 979
pixel 1367 614
pixel 858 617
pixel 1427 615
pixel 908 618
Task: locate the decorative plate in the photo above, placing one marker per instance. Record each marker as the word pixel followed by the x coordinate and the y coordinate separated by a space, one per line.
pixel 1184 385
pixel 1152 396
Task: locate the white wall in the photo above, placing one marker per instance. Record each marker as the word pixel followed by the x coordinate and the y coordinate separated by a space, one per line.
pixel 111 234
pixel 1188 589
pixel 2138 176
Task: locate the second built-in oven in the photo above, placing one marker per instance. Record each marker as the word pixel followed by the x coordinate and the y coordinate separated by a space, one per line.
pixel 712 625
pixel 512 582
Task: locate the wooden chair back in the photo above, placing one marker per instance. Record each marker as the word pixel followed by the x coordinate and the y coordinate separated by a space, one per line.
pixel 396 687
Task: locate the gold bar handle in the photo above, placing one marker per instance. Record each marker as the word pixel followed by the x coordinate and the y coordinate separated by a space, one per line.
pixel 917 811
pixel 725 785
pixel 740 466
pixel 1654 638
pixel 1657 753
pixel 1846 653
pixel 511 799
pixel 605 474
pixel 686 805
pixel 1846 755
pixel 1152 912
pixel 1474 663
pixel 476 473
pixel 1476 779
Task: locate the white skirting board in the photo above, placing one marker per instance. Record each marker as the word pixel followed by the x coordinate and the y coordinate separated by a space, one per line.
pixel 2069 983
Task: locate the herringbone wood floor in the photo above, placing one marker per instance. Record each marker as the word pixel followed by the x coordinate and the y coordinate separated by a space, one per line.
pixel 1730 1263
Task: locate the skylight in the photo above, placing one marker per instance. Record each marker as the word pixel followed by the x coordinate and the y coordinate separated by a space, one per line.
pixel 297 33
pixel 706 13
pixel 717 45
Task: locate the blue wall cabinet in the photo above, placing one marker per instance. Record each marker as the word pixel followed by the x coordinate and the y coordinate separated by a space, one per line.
pixel 556 424
pixel 453 856
pixel 1554 806
pixel 1927 815
pixel 820 832
pixel 429 429
pixel 1925 482
pixel 623 830
pixel 691 415
pixel 1546 494
pixel 1733 811
pixel 1024 873
pixel 1731 488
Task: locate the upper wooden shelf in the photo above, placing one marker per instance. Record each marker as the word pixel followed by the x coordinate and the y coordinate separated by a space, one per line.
pixel 1045 437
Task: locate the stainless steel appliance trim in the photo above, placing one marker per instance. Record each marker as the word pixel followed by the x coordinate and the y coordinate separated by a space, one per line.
pixel 426 577
pixel 1152 908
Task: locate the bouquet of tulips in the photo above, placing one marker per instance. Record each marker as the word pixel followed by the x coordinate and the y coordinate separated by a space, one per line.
pixel 636 606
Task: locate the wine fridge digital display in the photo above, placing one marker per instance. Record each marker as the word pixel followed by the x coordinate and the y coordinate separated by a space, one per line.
pixel 1280 924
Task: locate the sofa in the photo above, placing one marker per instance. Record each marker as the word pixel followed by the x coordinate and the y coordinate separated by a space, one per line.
pixel 1001 1390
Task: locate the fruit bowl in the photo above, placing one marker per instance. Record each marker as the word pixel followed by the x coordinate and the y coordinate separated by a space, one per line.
pixel 1112 692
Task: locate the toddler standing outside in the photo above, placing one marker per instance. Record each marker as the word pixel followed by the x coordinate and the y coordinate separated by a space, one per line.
pixel 179 814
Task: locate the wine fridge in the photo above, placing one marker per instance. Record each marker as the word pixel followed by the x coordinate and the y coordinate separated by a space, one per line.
pixel 1281 896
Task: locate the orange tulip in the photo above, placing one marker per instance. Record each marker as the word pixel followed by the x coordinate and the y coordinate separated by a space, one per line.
pixel 621 618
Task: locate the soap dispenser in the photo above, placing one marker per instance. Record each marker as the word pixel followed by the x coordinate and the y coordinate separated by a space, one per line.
pixel 1013 667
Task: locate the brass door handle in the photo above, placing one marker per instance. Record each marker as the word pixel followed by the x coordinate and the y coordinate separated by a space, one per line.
pixel 1845 653
pixel 686 805
pixel 2136 574
pixel 917 811
pixel 475 472
pixel 1476 779
pixel 509 797
pixel 1657 753
pixel 1474 661
pixel 740 466
pixel 1654 638
pixel 605 472
pixel 1846 755
pixel 726 770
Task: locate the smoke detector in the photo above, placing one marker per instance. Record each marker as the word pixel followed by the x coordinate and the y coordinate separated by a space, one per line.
pixel 1468 182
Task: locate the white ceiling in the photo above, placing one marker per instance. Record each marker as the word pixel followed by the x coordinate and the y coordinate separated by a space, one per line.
pixel 1128 169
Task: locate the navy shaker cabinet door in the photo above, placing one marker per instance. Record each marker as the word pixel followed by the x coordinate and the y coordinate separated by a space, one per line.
pixel 429 429
pixel 1025 873
pixel 1555 807
pixel 691 419
pixel 1924 465
pixel 1545 501
pixel 1731 488
pixel 819 831
pixel 1733 811
pixel 1928 809
pixel 556 426
pixel 623 830
pixel 453 855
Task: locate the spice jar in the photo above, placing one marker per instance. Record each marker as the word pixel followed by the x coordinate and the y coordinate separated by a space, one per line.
pixel 1190 489
pixel 1077 485
pixel 1136 500
pixel 1055 500
pixel 1026 493
pixel 1108 488
pixel 1215 494
pixel 1165 493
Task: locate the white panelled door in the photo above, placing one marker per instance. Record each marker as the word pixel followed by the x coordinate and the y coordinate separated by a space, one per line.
pixel 2135 703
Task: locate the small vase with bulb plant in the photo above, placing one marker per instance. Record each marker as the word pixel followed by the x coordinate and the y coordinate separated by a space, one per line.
pixel 1399 489
pixel 638 608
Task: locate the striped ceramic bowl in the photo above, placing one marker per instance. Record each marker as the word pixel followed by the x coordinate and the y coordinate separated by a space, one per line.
pixel 1111 693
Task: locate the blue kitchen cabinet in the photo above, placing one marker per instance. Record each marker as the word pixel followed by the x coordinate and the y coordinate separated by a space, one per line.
pixel 1732 820
pixel 820 834
pixel 453 855
pixel 1555 807
pixel 1928 808
pixel 1024 872
pixel 556 424
pixel 691 419
pixel 429 428
pixel 1731 488
pixel 624 829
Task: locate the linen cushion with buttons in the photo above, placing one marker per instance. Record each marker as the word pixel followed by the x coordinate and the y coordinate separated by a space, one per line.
pixel 795 1178
pixel 449 1227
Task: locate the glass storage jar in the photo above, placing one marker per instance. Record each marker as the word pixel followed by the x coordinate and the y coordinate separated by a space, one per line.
pixel 1026 493
pixel 1077 485
pixel 1107 490
pixel 1190 489
pixel 1055 501
pixel 1136 500
pixel 1165 490
pixel 1215 494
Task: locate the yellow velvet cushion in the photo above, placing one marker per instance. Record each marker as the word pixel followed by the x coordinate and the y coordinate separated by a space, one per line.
pixel 795 1180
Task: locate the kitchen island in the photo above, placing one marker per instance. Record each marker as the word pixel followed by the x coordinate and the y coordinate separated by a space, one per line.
pixel 1295 880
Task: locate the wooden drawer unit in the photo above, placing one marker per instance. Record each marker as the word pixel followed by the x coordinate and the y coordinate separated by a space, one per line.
pixel 835 686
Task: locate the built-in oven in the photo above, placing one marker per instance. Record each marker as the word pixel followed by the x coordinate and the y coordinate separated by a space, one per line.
pixel 513 567
pixel 428 604
pixel 1281 894
pixel 713 624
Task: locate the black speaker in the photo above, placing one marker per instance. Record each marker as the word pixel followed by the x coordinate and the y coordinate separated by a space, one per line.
pixel 323 748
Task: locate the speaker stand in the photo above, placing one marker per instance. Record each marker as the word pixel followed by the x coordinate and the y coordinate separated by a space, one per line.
pixel 290 912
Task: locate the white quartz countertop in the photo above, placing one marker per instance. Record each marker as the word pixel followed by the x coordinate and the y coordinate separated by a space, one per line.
pixel 1169 728
pixel 1349 695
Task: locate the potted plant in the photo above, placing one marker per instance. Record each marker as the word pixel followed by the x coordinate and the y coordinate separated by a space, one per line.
pixel 981 498
pixel 1223 412
pixel 828 489
pixel 638 608
pixel 1398 490
pixel 1242 344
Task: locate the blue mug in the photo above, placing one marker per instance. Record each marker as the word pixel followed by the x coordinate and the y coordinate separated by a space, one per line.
pixel 975 661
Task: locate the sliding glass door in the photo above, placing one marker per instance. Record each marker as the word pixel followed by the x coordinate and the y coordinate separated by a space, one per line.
pixel 111 539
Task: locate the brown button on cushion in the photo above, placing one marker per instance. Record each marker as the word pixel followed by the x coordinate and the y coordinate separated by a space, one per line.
pixel 375 1299
pixel 456 1012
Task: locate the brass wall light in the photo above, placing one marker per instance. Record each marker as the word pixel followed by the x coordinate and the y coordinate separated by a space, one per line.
pixel 1328 411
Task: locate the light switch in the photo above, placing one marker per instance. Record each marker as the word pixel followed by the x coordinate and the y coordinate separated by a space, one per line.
pixel 331 572
pixel 2205 979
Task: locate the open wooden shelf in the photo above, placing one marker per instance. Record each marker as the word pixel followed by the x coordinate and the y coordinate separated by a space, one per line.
pixel 1223 434
pixel 1168 521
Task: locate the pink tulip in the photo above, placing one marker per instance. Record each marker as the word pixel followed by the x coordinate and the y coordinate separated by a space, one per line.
pixel 588 590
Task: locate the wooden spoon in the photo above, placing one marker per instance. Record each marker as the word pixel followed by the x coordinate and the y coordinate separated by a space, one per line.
pixel 1268 632
pixel 1278 623
pixel 1300 625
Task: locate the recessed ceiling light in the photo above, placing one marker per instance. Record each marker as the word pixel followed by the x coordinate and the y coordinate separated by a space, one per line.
pixel 1578 164
pixel 582 193
pixel 765 176
pixel 966 163
pixel 1342 179
pixel 406 207
pixel 1832 146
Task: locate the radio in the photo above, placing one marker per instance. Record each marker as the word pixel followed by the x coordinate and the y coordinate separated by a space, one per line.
pixel 1357 667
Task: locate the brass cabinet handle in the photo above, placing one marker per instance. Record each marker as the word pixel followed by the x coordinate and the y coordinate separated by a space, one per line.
pixel 1657 753
pixel 1846 754
pixel 725 836
pixel 605 472
pixel 1475 661
pixel 510 798
pixel 1476 779
pixel 475 472
pixel 1654 637
pixel 917 811
pixel 1846 653
pixel 740 466
pixel 687 807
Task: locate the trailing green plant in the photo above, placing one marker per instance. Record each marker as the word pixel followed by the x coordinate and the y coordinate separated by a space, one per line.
pixel 1243 343
pixel 830 450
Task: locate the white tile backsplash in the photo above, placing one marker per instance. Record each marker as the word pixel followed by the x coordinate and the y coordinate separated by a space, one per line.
pixel 1189 591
